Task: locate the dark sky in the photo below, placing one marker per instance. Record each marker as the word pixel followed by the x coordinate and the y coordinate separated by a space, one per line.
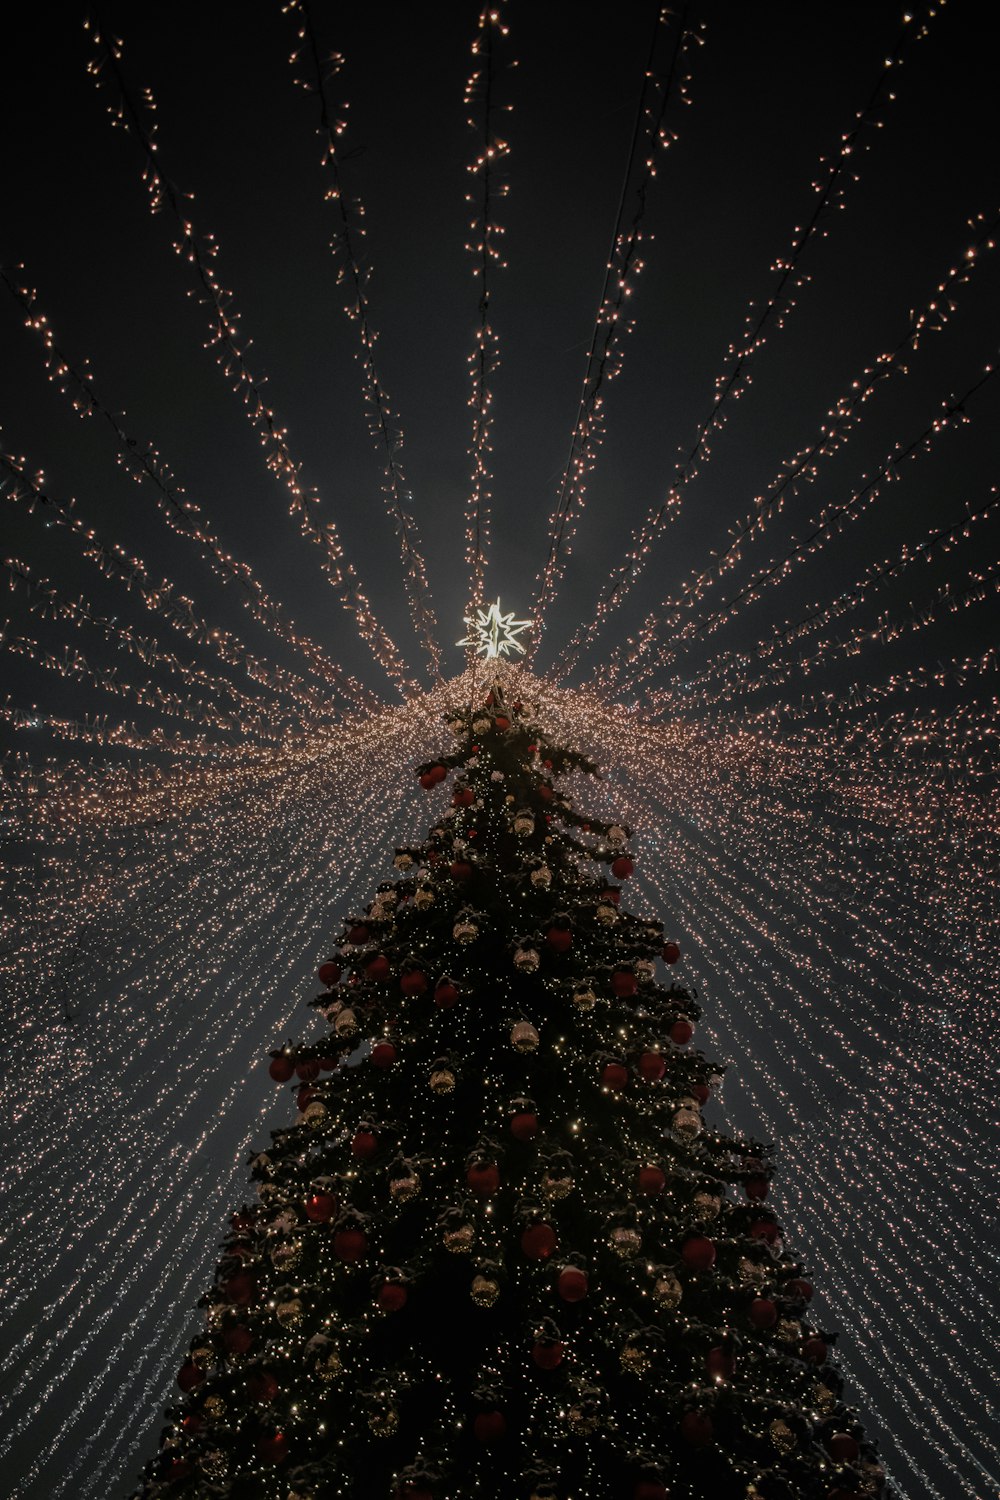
pixel 775 88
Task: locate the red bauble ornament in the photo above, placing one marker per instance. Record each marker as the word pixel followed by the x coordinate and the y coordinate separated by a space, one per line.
pixel 358 934
pixel 303 1096
pixel 461 870
pixel 843 1447
pixel 545 792
pixel 490 1427
pixel 612 895
pixel 815 1350
pixel 622 867
pixel 328 1064
pixel 652 1066
pixel 262 1387
pixel 463 797
pixel 239 1288
pixel 192 1422
pixel 189 1376
pixel 547 764
pixel 614 1076
pixel 328 973
pixel 413 982
pixel 524 1126
pixel 364 1144
pixel 350 1244
pixel 321 1207
pixel 238 1339
pixel 502 723
pixel 559 939
pixel 446 994
pixel 756 1188
pixel 273 1450
pixel 696 1428
pixel 427 780
pixel 698 1253
pixel 282 1068
pixel 762 1312
pixel 572 1284
pixel 720 1363
pixel 800 1288
pixel 539 1241
pixel 548 1356
pixel 377 968
pixel 671 953
pixel 483 1178
pixel 392 1296
pixel 701 1092
pixel 650 1489
pixel 765 1229
pixel 384 1054
pixel 307 1068
pixel 681 1032
pixel 651 1180
pixel 624 984
pixel 178 1468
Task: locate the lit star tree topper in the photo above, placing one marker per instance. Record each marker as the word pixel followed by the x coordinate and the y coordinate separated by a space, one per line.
pixel 492 633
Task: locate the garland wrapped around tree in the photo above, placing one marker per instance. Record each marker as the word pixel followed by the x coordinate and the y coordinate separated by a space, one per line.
pixel 500 1253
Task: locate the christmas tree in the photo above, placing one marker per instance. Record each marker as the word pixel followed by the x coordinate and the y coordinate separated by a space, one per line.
pixel 500 1252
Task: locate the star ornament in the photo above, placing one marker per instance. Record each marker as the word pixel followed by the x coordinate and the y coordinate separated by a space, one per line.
pixel 494 634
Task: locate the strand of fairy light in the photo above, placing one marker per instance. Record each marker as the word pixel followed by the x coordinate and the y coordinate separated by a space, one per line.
pixel 355 273
pixel 843 417
pixel 484 247
pixel 836 173
pixel 199 251
pixel 145 464
pixel 828 523
pixel 606 346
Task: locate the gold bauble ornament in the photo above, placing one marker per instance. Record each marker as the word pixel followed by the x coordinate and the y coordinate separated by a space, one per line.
pixel 584 998
pixel 465 932
pixel 645 971
pixel 705 1207
pixel 346 1023
pixel 267 1192
pixel 789 1329
pixel 286 1253
pixel 423 897
pixel 214 1407
pixel 481 726
pixel 668 1290
pixel 687 1123
pixel 442 1081
pixel 752 1272
pixel 383 1421
pixel 403 861
pixel 314 1113
pixel 782 1435
pixel 330 1368
pixel 607 915
pixel 557 1186
pixel 526 960
pixel 484 1291
pixel 289 1313
pixel 617 837
pixel 524 1036
pixel 626 1241
pixel 459 1241
pixel 824 1400
pixel 405 1189
pixel 582 1419
pixel 524 825
pixel 637 1361
pixel 214 1464
pixel 542 877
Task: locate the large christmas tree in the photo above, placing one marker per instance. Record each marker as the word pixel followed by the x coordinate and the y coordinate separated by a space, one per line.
pixel 500 1253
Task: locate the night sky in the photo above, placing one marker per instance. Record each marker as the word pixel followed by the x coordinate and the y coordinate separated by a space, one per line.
pixel 773 91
